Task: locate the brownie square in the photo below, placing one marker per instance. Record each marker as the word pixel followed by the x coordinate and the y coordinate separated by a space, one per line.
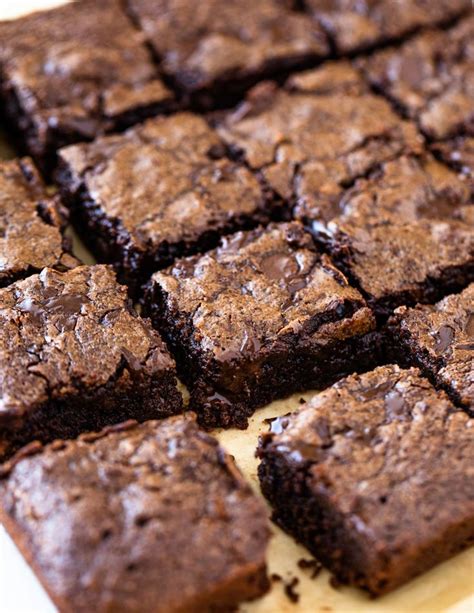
pixel 74 357
pixel 440 340
pixel 374 476
pixel 325 126
pixel 355 25
pixel 151 517
pixel 31 224
pixel 262 316
pixel 431 79
pixel 161 190
pixel 70 73
pixel 403 234
pixel 222 48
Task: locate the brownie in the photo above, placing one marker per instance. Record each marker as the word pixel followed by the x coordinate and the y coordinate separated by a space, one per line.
pixel 355 25
pixel 374 476
pixel 70 73
pixel 411 218
pixel 153 517
pixel 440 340
pixel 324 127
pixel 458 153
pixel 31 224
pixel 163 189
pixel 431 79
pixel 221 48
pixel 262 316
pixel 74 357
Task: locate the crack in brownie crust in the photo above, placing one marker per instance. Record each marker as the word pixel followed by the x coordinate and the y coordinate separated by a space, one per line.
pixel 73 72
pixel 161 190
pixel 262 316
pixel 440 340
pixel 31 224
pixel 119 503
pixel 74 356
pixel 224 47
pixel 375 476
pixel 431 78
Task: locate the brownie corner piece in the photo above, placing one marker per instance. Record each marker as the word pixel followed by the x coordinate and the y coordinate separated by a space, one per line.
pixel 439 339
pixel 72 72
pixel 163 189
pixel 261 316
pixel 74 357
pixel 221 49
pixel 31 224
pixel 374 476
pixel 140 474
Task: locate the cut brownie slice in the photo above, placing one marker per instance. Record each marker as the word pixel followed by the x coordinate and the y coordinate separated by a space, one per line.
pixel 224 47
pixel 440 340
pixel 74 357
pixel 31 224
pixel 403 234
pixel 325 124
pixel 431 78
pixel 161 190
pixel 375 476
pixel 75 71
pixel 153 517
pixel 353 25
pixel 262 316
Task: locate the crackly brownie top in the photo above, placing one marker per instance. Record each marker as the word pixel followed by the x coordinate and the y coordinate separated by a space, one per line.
pixel 78 62
pixel 165 180
pixel 412 218
pixel 432 77
pixel 381 446
pixel 30 224
pixel 207 41
pixel 333 133
pixel 357 24
pixel 458 153
pixel 166 486
pixel 442 336
pixel 258 290
pixel 67 333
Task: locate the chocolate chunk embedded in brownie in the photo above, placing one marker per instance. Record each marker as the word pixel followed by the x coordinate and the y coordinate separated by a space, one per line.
pixel 374 476
pixel 403 234
pixel 327 126
pixel 440 340
pixel 431 78
pixel 260 317
pixel 153 517
pixel 72 72
pixel 224 47
pixel 163 189
pixel 353 25
pixel 74 356
pixel 31 224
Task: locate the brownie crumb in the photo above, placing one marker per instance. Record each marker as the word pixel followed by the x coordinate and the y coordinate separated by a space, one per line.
pixel 312 565
pixel 335 583
pixel 276 578
pixel 290 592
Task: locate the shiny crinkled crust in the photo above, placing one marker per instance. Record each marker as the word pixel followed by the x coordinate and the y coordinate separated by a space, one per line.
pixel 74 355
pixel 167 487
pixel 374 475
pixel 440 340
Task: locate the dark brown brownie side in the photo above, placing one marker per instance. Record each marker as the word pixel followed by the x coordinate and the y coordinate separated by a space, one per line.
pixel 31 224
pixel 374 476
pixel 356 25
pixel 260 317
pixel 164 189
pixel 403 234
pixel 431 79
pixel 440 340
pixel 73 72
pixel 120 502
pixel 75 356
pixel 215 50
